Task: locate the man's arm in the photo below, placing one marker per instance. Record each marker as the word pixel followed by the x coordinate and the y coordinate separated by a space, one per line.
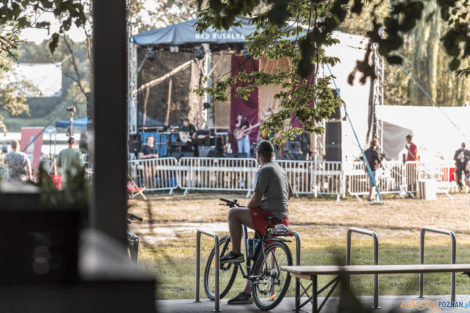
pixel 28 170
pixel 291 193
pixel 255 200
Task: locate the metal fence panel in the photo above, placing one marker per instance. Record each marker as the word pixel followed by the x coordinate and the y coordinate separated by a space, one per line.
pixel 155 174
pixel 231 174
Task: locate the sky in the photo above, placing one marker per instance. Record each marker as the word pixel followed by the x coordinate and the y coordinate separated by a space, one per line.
pixel 76 34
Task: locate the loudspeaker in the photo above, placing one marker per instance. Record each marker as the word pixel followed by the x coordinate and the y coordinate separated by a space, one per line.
pixel 333 153
pixel 134 144
pixel 333 141
pixel 333 133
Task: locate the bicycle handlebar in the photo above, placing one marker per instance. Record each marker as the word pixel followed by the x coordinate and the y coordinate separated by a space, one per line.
pixel 230 203
pixel 134 217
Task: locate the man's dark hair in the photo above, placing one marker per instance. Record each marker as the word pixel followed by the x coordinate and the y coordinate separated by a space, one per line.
pixel 14 144
pixel 265 150
pixel 71 140
pixel 409 137
pixel 374 143
pixel 186 120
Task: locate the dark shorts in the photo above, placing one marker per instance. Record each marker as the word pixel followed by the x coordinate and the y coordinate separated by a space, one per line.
pixel 371 183
pixel 258 217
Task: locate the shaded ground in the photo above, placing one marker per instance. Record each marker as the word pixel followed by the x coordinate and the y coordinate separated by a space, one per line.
pixel 168 236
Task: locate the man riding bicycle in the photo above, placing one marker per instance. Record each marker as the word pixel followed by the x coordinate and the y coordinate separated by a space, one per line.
pixel 271 194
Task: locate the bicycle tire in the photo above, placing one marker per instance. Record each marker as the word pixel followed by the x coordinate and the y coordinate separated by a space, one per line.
pixel 133 246
pixel 225 283
pixel 266 276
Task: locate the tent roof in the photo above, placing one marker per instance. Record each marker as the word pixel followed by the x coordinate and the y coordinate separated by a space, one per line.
pixel 186 33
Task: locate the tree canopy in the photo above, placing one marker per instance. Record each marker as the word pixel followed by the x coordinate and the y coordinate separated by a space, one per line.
pixel 299 29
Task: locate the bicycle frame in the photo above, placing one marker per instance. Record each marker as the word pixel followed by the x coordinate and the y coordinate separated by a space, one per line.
pixel 248 260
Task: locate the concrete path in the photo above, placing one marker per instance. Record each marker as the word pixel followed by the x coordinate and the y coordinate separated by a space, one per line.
pixel 387 303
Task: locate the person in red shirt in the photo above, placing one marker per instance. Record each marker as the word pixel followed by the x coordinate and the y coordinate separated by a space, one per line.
pixel 412 149
pixel 411 169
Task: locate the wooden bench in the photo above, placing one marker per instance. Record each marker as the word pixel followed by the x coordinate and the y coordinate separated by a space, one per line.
pixel 312 272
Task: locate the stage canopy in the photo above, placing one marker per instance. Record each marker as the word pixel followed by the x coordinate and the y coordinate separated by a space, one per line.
pixel 80 123
pixel 437 131
pixel 164 87
pixel 186 33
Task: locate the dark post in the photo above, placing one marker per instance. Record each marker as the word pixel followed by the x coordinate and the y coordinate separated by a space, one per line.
pixel 108 212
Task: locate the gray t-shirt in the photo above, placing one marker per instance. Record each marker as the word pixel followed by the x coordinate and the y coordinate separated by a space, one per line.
pixel 272 181
pixel 16 165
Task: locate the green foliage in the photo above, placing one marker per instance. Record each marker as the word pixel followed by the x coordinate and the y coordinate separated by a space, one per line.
pixel 387 32
pixel 309 25
pixel 19 14
pixel 305 96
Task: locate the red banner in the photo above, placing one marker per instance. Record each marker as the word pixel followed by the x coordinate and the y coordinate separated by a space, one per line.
pixel 31 144
pixel 248 107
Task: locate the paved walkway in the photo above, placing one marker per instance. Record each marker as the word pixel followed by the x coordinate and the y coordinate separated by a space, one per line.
pixel 387 303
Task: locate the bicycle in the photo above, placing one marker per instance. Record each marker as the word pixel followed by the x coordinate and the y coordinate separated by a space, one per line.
pixel 268 254
pixel 133 239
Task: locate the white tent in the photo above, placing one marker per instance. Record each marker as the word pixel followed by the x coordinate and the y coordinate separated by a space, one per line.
pixel 356 97
pixel 437 131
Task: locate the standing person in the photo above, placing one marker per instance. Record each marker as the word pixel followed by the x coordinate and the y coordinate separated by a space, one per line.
pixel 242 125
pixel 374 160
pixel 411 168
pixel 69 160
pixel 461 156
pixel 187 133
pixel 148 151
pixel 411 148
pixel 17 163
pixel 270 198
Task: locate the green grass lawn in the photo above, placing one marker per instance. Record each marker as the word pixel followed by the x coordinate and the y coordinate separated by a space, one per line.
pixel 168 237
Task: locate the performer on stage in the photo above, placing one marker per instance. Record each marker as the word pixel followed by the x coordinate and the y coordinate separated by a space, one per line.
pixel 242 134
pixel 188 134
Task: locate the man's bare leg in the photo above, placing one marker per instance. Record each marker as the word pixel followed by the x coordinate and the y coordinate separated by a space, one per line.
pixel 236 218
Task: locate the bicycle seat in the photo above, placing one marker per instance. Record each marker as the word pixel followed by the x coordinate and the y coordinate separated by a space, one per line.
pixel 273 219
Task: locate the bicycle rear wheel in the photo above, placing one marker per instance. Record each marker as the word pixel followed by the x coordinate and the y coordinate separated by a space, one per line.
pixel 227 272
pixel 272 283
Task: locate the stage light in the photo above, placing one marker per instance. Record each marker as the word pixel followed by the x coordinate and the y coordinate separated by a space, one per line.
pixel 150 53
pixel 198 52
pixel 174 49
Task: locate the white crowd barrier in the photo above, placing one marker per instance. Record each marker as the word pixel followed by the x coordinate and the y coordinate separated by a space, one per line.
pixel 231 174
pixel 306 177
pixel 155 174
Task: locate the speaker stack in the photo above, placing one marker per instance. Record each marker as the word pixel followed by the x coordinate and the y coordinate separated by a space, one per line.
pixel 333 135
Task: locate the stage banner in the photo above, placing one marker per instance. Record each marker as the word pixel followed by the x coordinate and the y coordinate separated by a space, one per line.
pixel 33 150
pixel 248 107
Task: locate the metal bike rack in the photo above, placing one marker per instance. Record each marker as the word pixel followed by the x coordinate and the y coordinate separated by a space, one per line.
pixel 376 257
pixel 453 257
pixel 297 262
pixel 217 267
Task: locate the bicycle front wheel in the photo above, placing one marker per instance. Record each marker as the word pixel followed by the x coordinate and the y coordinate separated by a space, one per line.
pixel 271 283
pixel 227 272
